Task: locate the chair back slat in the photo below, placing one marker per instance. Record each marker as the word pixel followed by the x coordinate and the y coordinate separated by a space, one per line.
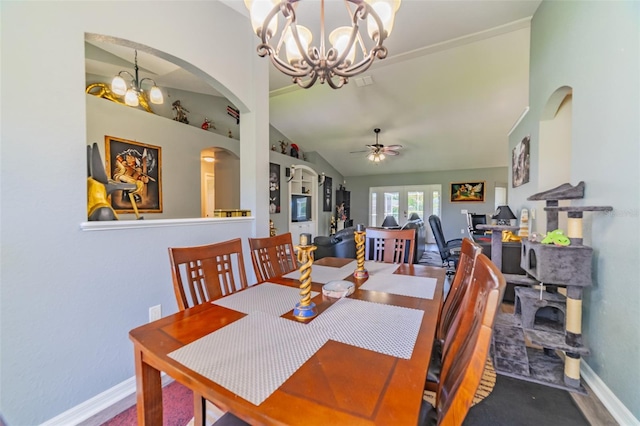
pixel 451 306
pixel 390 245
pixel 272 256
pixel 464 362
pixel 204 273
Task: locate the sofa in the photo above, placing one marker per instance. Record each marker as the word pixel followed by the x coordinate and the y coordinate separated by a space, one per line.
pixel 341 244
pixel 421 237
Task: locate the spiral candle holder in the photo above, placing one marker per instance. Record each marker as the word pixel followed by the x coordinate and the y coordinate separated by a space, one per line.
pixel 360 272
pixel 306 308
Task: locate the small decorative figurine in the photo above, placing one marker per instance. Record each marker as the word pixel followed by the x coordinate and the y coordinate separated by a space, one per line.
pixel 294 150
pixel 273 147
pixel 180 112
pixel 283 146
pixel 208 124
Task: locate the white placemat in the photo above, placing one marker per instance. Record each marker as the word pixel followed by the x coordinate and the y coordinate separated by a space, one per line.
pixel 404 285
pixel 387 329
pixel 270 298
pixel 254 356
pixel 375 268
pixel 323 274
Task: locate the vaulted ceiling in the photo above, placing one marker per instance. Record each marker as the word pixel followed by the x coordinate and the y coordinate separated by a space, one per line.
pixel 454 83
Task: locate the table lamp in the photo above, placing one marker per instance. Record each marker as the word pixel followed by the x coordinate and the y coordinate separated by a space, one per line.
pixel 390 222
pixel 503 215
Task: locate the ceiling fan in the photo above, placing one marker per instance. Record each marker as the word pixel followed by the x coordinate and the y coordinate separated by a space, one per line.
pixel 377 152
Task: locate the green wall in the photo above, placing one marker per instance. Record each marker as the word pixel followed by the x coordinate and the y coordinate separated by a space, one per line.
pixel 593 48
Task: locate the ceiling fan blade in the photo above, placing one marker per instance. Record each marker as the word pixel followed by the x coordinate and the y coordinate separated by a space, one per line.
pixel 391 152
pixel 393 147
pixel 359 152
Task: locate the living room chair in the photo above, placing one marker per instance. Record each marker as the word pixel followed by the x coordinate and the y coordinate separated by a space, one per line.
pixel 272 256
pixel 470 339
pixel 390 245
pixel 473 220
pixel 451 308
pixel 449 250
pixel 202 274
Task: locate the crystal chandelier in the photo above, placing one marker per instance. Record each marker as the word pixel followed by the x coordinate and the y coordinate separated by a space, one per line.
pixel 134 91
pixel 338 63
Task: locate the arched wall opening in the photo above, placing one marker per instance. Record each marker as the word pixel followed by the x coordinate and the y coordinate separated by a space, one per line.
pixel 183 190
pixel 555 149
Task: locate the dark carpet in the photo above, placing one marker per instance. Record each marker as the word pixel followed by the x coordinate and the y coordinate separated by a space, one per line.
pixel 518 402
pixel 177 408
pixel 431 258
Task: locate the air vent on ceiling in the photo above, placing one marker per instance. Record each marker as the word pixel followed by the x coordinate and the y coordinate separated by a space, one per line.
pixel 364 81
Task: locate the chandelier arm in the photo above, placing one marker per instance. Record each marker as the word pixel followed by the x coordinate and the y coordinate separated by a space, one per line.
pixel 146 78
pixel 128 73
pixel 282 65
pixel 299 82
pixel 363 65
pixel 343 81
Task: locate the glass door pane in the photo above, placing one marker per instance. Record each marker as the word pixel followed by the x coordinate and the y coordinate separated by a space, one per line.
pixel 391 205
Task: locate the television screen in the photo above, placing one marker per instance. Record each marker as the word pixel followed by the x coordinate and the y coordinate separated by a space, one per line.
pixel 300 208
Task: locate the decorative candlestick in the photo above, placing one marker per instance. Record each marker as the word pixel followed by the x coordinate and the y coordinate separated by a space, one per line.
pixel 306 308
pixel 359 236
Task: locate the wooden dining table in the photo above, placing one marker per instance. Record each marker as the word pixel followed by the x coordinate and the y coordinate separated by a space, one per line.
pixel 339 384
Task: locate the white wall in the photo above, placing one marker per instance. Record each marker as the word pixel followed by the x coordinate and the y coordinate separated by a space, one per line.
pixel 69 297
pixel 593 47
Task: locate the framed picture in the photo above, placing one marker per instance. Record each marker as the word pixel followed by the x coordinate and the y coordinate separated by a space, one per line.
pixel 139 164
pixel 328 194
pixel 467 192
pixel 520 163
pixel 274 188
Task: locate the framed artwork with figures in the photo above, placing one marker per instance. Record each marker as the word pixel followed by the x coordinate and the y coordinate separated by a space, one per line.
pixel 139 164
pixel 467 192
pixel 520 163
pixel 274 188
pixel 327 198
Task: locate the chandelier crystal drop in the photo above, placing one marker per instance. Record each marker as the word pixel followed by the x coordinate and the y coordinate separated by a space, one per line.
pixel 350 53
pixel 133 91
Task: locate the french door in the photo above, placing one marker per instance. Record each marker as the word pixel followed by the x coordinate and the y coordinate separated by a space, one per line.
pixel 403 201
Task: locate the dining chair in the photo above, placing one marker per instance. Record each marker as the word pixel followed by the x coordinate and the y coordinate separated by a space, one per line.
pixel 390 245
pixel 451 308
pixel 202 274
pixel 205 273
pixel 465 359
pixel 272 256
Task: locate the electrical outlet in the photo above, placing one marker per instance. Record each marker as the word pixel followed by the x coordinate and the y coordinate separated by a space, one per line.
pixel 462 230
pixel 155 313
pixel 464 211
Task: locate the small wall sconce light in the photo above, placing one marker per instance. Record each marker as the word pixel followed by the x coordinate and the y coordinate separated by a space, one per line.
pixel 321 179
pixel 209 158
pixel 292 172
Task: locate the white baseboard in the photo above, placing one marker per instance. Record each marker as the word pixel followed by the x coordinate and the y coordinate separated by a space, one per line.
pixel 617 409
pixel 99 403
